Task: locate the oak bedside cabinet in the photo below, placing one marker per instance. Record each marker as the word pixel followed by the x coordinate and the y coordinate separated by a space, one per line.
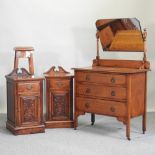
pixel 24 96
pixel 59 98
pixel 114 87
pixel 24 103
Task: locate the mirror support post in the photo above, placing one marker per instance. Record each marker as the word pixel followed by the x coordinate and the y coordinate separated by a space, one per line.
pixel 97 39
pixel 145 46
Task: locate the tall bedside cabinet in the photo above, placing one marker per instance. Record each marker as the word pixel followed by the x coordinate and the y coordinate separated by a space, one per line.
pixel 24 96
pixel 59 98
pixel 24 102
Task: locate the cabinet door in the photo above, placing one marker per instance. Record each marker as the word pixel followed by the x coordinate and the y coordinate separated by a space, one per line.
pixel 29 110
pixel 59 105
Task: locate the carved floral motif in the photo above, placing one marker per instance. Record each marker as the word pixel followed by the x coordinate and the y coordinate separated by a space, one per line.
pixel 29 109
pixel 59 105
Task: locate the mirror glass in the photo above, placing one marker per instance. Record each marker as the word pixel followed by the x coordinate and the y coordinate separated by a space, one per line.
pixel 123 34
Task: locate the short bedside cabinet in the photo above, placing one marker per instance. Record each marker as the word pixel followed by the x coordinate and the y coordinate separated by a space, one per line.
pixel 59 98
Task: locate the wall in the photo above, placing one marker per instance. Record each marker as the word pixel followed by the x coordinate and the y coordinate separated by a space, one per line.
pixel 63 33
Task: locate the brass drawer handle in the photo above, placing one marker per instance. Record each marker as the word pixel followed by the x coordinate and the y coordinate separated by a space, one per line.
pixel 112 109
pixel 87 105
pixel 113 80
pixel 88 90
pixel 59 84
pixel 87 77
pixel 113 93
pixel 29 87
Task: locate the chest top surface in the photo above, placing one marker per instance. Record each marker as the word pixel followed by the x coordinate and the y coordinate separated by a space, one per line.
pixel 111 70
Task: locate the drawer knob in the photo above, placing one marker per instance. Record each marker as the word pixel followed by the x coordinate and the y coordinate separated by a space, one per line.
pixel 88 90
pixel 113 80
pixel 112 109
pixel 113 93
pixel 87 105
pixel 87 77
pixel 59 84
pixel 29 87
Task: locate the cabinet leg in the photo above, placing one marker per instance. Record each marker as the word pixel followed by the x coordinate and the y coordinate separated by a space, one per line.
pixel 128 129
pixel 75 121
pixel 75 125
pixel 92 119
pixel 144 123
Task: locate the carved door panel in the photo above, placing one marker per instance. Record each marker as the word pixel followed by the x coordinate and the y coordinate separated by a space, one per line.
pixel 29 110
pixel 59 105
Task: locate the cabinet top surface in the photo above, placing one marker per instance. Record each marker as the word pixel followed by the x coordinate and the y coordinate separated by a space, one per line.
pixel 33 78
pixel 58 76
pixel 111 70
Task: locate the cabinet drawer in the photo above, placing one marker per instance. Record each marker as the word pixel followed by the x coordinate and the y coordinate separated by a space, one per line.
pixel 28 87
pixel 59 84
pixel 97 106
pixel 101 91
pixel 101 78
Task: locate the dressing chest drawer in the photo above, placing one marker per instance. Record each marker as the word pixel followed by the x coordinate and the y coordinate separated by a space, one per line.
pixel 101 91
pixel 101 78
pixel 99 106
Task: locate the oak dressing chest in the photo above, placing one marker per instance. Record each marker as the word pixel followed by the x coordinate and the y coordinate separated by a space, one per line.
pixel 114 87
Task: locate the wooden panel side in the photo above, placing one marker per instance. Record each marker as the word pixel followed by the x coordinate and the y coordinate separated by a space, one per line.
pixel 71 99
pixel 48 100
pixel 41 102
pixel 137 94
pixel 11 102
